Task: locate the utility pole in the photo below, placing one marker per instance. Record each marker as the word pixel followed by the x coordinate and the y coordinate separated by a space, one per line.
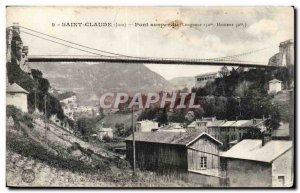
pixel 45 116
pixel 240 110
pixel 133 142
pixel 35 99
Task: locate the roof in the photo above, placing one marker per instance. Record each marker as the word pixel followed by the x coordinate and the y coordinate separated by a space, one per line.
pixel 171 126
pixel 252 149
pixel 274 81
pixel 174 138
pixel 192 124
pixel 227 124
pixel 105 129
pixel 146 121
pixel 216 123
pixel 207 74
pixel 15 88
pixel 242 123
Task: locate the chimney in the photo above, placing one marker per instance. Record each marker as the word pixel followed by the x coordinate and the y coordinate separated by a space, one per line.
pixel 266 137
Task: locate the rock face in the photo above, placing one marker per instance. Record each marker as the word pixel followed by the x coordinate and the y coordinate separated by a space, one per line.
pixel 15 50
pixel 285 57
pixel 89 81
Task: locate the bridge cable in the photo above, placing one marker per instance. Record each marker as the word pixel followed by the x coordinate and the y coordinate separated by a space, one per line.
pixel 80 44
pixel 64 44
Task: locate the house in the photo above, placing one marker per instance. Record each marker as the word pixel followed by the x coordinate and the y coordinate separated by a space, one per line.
pixel 105 132
pixel 231 132
pixel 202 79
pixel 17 96
pixel 274 86
pixel 191 126
pixel 195 154
pixel 146 126
pixel 172 127
pixel 228 132
pixel 259 163
pixel 205 124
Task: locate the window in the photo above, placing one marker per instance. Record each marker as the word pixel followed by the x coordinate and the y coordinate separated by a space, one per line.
pixel 203 162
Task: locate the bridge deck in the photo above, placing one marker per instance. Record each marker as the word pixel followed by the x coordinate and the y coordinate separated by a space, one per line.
pixel 179 61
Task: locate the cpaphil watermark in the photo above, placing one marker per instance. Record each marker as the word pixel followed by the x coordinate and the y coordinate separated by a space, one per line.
pixel 174 100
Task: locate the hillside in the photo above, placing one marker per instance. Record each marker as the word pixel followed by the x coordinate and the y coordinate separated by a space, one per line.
pixel 183 82
pixel 281 100
pixel 64 160
pixel 90 81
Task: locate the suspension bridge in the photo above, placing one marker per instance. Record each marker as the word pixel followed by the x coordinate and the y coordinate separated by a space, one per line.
pixel 96 55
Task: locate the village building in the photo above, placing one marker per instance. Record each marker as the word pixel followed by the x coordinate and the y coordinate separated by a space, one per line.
pixel 228 132
pixel 17 96
pixel 105 132
pixel 274 86
pixel 194 155
pixel 171 127
pixel 202 79
pixel 259 163
pixel 146 126
pixel 231 132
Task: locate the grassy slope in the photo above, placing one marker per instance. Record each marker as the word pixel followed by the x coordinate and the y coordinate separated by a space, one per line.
pixel 112 119
pixel 282 101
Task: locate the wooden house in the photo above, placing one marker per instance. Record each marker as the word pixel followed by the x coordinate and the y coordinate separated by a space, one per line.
pixel 168 152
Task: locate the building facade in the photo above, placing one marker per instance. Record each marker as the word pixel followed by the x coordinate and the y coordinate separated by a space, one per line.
pixel 146 126
pixel 105 132
pixel 274 86
pixel 202 79
pixel 228 132
pixel 254 163
pixel 182 153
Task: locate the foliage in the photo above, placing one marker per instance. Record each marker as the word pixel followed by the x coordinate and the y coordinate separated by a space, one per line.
pixel 18 116
pixel 242 95
pixel 86 126
pixel 157 114
pixel 36 85
pixel 121 130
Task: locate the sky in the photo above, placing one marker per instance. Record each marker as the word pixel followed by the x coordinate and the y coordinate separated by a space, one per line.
pixel 262 27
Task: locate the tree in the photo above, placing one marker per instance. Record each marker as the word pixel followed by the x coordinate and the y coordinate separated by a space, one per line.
pixel 121 130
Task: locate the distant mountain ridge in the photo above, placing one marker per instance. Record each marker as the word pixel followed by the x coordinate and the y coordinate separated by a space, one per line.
pixel 90 81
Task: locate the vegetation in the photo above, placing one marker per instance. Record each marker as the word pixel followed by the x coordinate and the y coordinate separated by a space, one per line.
pixel 242 95
pixel 122 131
pixel 35 84
pixel 87 126
pixel 18 116
pixel 156 114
